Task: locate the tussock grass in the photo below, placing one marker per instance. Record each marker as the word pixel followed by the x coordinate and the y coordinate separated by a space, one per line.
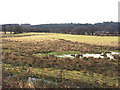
pixel 19 59
pixel 97 80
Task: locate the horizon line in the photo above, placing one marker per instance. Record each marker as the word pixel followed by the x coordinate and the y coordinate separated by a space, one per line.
pixel 62 23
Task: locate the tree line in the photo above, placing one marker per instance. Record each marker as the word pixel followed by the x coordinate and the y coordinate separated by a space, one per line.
pixel 105 28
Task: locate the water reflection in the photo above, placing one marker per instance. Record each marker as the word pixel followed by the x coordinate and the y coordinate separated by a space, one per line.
pixel 102 55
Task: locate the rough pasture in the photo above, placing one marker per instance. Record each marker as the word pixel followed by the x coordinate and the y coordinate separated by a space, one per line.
pixel 111 41
pixel 20 60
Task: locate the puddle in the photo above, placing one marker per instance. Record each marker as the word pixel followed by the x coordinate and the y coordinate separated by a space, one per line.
pixel 47 81
pixel 82 55
pixel 36 79
pixel 9 76
pixel 109 55
pixel 93 55
pixel 65 56
pixel 118 53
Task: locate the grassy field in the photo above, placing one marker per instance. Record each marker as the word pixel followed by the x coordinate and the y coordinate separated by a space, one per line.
pixel 97 40
pixel 34 55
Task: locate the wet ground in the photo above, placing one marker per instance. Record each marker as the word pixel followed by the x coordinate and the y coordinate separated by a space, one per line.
pixel 102 55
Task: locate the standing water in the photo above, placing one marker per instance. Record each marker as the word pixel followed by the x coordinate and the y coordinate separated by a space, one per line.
pixel 102 55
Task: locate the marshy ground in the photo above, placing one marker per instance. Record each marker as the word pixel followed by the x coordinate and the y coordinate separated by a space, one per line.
pixel 30 60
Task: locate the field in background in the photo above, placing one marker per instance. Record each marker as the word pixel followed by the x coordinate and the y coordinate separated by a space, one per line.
pixel 96 40
pixel 33 55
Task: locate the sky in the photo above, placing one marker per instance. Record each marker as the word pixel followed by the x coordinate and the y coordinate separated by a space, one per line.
pixel 58 11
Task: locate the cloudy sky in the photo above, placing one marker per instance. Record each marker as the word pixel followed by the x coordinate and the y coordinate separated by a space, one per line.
pixel 58 11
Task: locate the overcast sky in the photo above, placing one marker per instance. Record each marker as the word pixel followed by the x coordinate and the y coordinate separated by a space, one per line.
pixel 58 11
